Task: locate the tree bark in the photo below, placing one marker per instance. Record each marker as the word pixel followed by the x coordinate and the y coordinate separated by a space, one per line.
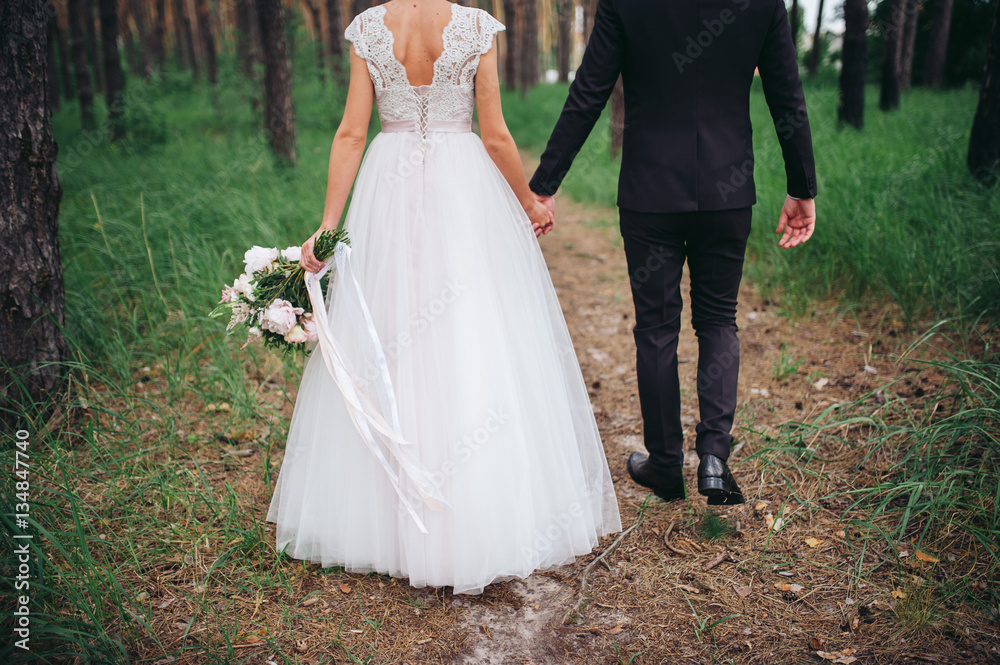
pixel 159 21
pixel 617 117
pixel 793 20
pixel 52 70
pixel 851 109
pixel 92 57
pixel 279 115
pixel 189 40
pixel 247 50
pixel 529 45
pixel 208 40
pixel 139 16
pixel 113 79
pixel 937 48
pixel 64 59
pixel 335 38
pixel 891 59
pixel 565 43
pixel 909 42
pixel 31 282
pixel 84 93
pixel 511 60
pixel 984 142
pixel 817 36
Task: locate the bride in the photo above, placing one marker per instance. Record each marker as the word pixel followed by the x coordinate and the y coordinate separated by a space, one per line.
pixel 492 465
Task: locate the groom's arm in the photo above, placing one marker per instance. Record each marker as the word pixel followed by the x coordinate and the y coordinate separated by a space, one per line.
pixel 589 92
pixel 779 74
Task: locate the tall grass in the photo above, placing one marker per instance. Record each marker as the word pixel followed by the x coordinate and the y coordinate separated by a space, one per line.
pixel 900 220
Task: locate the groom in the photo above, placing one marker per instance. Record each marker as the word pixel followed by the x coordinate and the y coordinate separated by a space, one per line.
pixel 685 192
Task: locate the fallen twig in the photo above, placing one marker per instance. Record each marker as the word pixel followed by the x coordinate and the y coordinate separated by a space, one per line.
pixel 724 556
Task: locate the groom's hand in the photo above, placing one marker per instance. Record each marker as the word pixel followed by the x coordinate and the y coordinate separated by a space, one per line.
pixel 797 221
pixel 550 204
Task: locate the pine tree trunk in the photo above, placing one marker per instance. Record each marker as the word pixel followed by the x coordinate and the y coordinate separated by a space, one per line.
pixel 909 42
pixel 984 142
pixel 793 21
pixel 159 46
pixel 84 93
pixel 565 43
pixel 64 60
pixel 817 36
pixel 314 14
pixel 589 9
pixel 139 16
pixel 31 282
pixel 529 45
pixel 937 48
pixel 208 40
pixel 335 38
pixel 851 109
pixel 247 51
pixel 189 40
pixel 114 81
pixel 358 6
pixel 92 58
pixel 512 34
pixel 617 117
pixel 52 70
pixel 891 59
pixel 279 116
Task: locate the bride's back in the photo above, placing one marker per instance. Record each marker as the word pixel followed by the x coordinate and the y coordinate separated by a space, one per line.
pixel 417 27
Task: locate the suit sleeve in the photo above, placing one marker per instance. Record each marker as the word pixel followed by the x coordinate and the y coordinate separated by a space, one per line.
pixel 588 94
pixel 779 74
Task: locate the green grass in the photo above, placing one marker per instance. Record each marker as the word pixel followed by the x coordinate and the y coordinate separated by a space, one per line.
pixel 900 220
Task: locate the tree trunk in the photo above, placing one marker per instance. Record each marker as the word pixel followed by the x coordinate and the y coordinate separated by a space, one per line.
pixel 793 20
pixel 246 37
pixel 189 40
pixel 589 9
pixel 64 60
pixel 889 94
pixel 52 70
pixel 937 48
pixel 512 34
pixel 314 15
pixel 279 116
pixel 909 41
pixel 529 45
pixel 565 43
pixel 113 79
pixel 31 282
pixel 138 9
pixel 851 109
pixel 817 36
pixel 617 117
pixel 984 142
pixel 84 92
pixel 335 38
pixel 92 57
pixel 159 21
pixel 358 6
pixel 208 40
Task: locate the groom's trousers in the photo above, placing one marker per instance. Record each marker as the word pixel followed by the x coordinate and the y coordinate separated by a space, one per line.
pixel 656 246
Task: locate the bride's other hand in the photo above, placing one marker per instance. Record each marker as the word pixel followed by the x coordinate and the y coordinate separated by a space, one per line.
pixel 308 260
pixel 540 216
pixel 550 204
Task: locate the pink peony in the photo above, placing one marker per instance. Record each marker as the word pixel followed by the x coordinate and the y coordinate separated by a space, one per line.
pixel 309 325
pixel 280 317
pixel 296 335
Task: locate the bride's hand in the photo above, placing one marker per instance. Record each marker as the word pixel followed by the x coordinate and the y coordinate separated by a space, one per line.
pixel 308 260
pixel 540 216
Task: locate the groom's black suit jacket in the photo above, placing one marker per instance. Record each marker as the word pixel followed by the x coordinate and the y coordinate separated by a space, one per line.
pixel 687 67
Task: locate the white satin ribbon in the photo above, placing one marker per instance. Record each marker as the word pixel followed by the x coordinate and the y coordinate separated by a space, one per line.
pixel 380 415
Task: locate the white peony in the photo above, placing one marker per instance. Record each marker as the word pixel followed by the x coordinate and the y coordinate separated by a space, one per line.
pixel 260 258
pixel 280 317
pixel 243 285
pixel 296 335
pixel 292 253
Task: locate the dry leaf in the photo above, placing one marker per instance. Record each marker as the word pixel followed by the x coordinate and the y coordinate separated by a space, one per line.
pixel 345 588
pixel 616 630
pixel 840 534
pixel 424 641
pixel 845 657
pixel 761 505
pixel 813 542
pixel 785 586
pixel 816 643
pixel 898 593
pixel 311 600
pixel 927 558
pixel 821 383
pixel 773 523
pixel 743 591
pixel 689 589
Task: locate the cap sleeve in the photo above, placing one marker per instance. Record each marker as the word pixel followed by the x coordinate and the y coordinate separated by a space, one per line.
pixel 488 27
pixel 353 34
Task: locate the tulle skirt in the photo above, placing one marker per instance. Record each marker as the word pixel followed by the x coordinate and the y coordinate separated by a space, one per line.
pixel 486 380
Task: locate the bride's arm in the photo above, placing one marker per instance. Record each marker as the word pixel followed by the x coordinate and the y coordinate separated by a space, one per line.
pixel 500 144
pixel 345 155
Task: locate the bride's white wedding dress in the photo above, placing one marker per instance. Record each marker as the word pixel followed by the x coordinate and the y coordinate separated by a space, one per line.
pixel 504 468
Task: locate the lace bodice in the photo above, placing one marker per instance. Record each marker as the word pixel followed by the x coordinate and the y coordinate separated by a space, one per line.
pixel 451 93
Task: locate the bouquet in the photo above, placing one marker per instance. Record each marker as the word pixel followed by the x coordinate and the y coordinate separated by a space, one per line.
pixel 269 302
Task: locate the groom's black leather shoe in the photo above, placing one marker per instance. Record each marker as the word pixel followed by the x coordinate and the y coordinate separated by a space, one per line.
pixel 716 481
pixel 669 487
